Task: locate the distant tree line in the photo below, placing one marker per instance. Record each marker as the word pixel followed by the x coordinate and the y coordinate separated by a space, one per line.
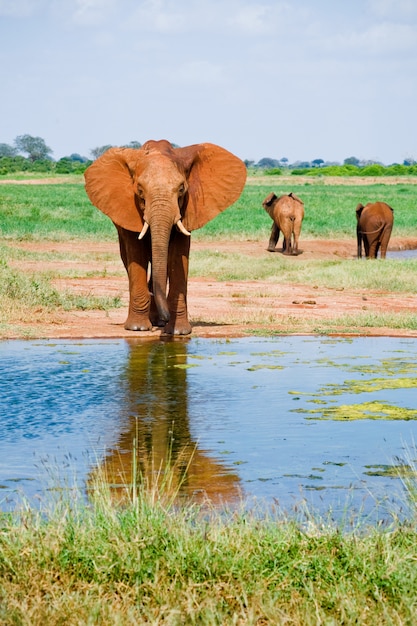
pixel 352 166
pixel 31 154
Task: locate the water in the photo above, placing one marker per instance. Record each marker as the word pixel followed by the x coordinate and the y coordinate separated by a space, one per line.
pixel 279 420
pixel 402 254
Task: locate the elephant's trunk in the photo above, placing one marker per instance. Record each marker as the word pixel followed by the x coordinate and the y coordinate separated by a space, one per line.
pixel 160 227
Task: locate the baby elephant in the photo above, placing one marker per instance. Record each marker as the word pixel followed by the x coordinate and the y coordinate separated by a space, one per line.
pixel 374 227
pixel 287 212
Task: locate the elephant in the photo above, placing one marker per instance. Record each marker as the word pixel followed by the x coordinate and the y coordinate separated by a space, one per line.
pixel 170 192
pixel 287 213
pixel 374 226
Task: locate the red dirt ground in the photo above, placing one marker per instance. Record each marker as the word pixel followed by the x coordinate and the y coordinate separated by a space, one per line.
pixel 216 309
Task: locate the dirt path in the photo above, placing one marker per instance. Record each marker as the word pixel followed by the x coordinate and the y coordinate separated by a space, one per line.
pixel 216 309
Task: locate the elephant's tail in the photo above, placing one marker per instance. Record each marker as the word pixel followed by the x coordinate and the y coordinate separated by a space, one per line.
pixel 372 232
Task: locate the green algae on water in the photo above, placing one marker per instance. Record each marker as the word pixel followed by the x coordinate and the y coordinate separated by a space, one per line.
pixel 366 410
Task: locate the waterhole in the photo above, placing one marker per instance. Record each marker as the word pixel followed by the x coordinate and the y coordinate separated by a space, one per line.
pixel 283 421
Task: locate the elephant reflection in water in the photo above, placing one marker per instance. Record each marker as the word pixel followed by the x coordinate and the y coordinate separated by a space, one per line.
pixel 156 434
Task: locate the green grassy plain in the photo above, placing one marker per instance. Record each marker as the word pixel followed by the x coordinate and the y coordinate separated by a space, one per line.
pixel 61 211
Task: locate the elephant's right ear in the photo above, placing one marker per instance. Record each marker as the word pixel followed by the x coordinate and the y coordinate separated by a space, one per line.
pixel 109 185
pixel 216 178
pixel 270 198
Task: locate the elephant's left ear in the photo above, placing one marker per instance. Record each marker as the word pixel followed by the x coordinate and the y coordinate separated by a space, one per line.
pixel 109 185
pixel 215 181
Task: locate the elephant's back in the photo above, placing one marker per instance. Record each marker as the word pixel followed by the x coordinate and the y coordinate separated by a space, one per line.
pixel 290 208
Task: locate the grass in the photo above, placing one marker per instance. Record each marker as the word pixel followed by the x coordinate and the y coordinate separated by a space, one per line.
pixel 62 211
pixel 396 276
pixel 23 293
pixel 55 212
pixel 151 562
pixel 329 209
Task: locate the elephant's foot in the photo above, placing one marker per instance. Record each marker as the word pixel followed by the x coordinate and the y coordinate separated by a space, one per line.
pixel 271 248
pixel 182 327
pixel 137 322
pixel 156 321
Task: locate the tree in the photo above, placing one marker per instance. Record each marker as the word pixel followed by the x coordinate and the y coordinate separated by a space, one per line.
pixel 351 161
pixel 77 157
pixel 303 165
pixel 7 151
pixel 267 163
pixel 134 144
pixel 35 147
pixel 317 162
pixel 97 152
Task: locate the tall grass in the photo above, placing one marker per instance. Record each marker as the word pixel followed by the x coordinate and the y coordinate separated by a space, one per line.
pixel 63 211
pixel 21 293
pixel 149 562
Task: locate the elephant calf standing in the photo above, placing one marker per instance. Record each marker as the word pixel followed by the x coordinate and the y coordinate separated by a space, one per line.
pixel 374 226
pixel 287 213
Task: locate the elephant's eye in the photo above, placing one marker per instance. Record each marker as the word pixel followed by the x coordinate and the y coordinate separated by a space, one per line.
pixel 141 193
pixel 181 189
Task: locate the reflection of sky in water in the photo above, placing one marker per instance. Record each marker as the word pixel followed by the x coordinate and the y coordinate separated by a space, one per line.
pixel 63 402
pixel 401 254
pixel 58 402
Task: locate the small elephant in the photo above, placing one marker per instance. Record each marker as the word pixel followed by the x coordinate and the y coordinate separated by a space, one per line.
pixel 374 226
pixel 170 192
pixel 287 213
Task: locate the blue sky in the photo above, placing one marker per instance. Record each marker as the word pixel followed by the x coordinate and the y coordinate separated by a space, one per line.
pixel 299 79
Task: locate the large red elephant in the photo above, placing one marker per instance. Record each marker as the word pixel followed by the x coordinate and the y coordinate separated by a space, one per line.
pixel 374 226
pixel 170 192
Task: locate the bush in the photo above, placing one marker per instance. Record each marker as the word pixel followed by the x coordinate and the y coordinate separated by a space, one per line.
pixel 71 166
pixel 9 165
pixel 373 170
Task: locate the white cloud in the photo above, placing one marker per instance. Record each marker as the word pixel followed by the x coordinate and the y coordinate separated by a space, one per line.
pixel 394 9
pixel 377 40
pixel 21 8
pixel 198 73
pixel 93 12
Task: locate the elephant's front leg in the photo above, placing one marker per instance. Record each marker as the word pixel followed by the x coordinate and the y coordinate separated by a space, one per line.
pixel 135 256
pixel 273 239
pixel 178 256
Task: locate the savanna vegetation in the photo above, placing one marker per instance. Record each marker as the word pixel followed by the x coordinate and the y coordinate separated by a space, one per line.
pixel 78 561
pixel 62 212
pixel 152 562
pixel 39 160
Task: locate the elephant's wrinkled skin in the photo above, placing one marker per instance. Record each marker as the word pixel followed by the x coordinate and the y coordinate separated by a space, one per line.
pixel 287 213
pixel 374 226
pixel 170 192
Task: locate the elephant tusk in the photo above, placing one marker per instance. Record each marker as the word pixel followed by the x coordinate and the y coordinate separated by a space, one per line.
pixel 182 229
pixel 144 230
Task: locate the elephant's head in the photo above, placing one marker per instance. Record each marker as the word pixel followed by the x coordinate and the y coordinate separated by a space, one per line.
pixel 160 187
